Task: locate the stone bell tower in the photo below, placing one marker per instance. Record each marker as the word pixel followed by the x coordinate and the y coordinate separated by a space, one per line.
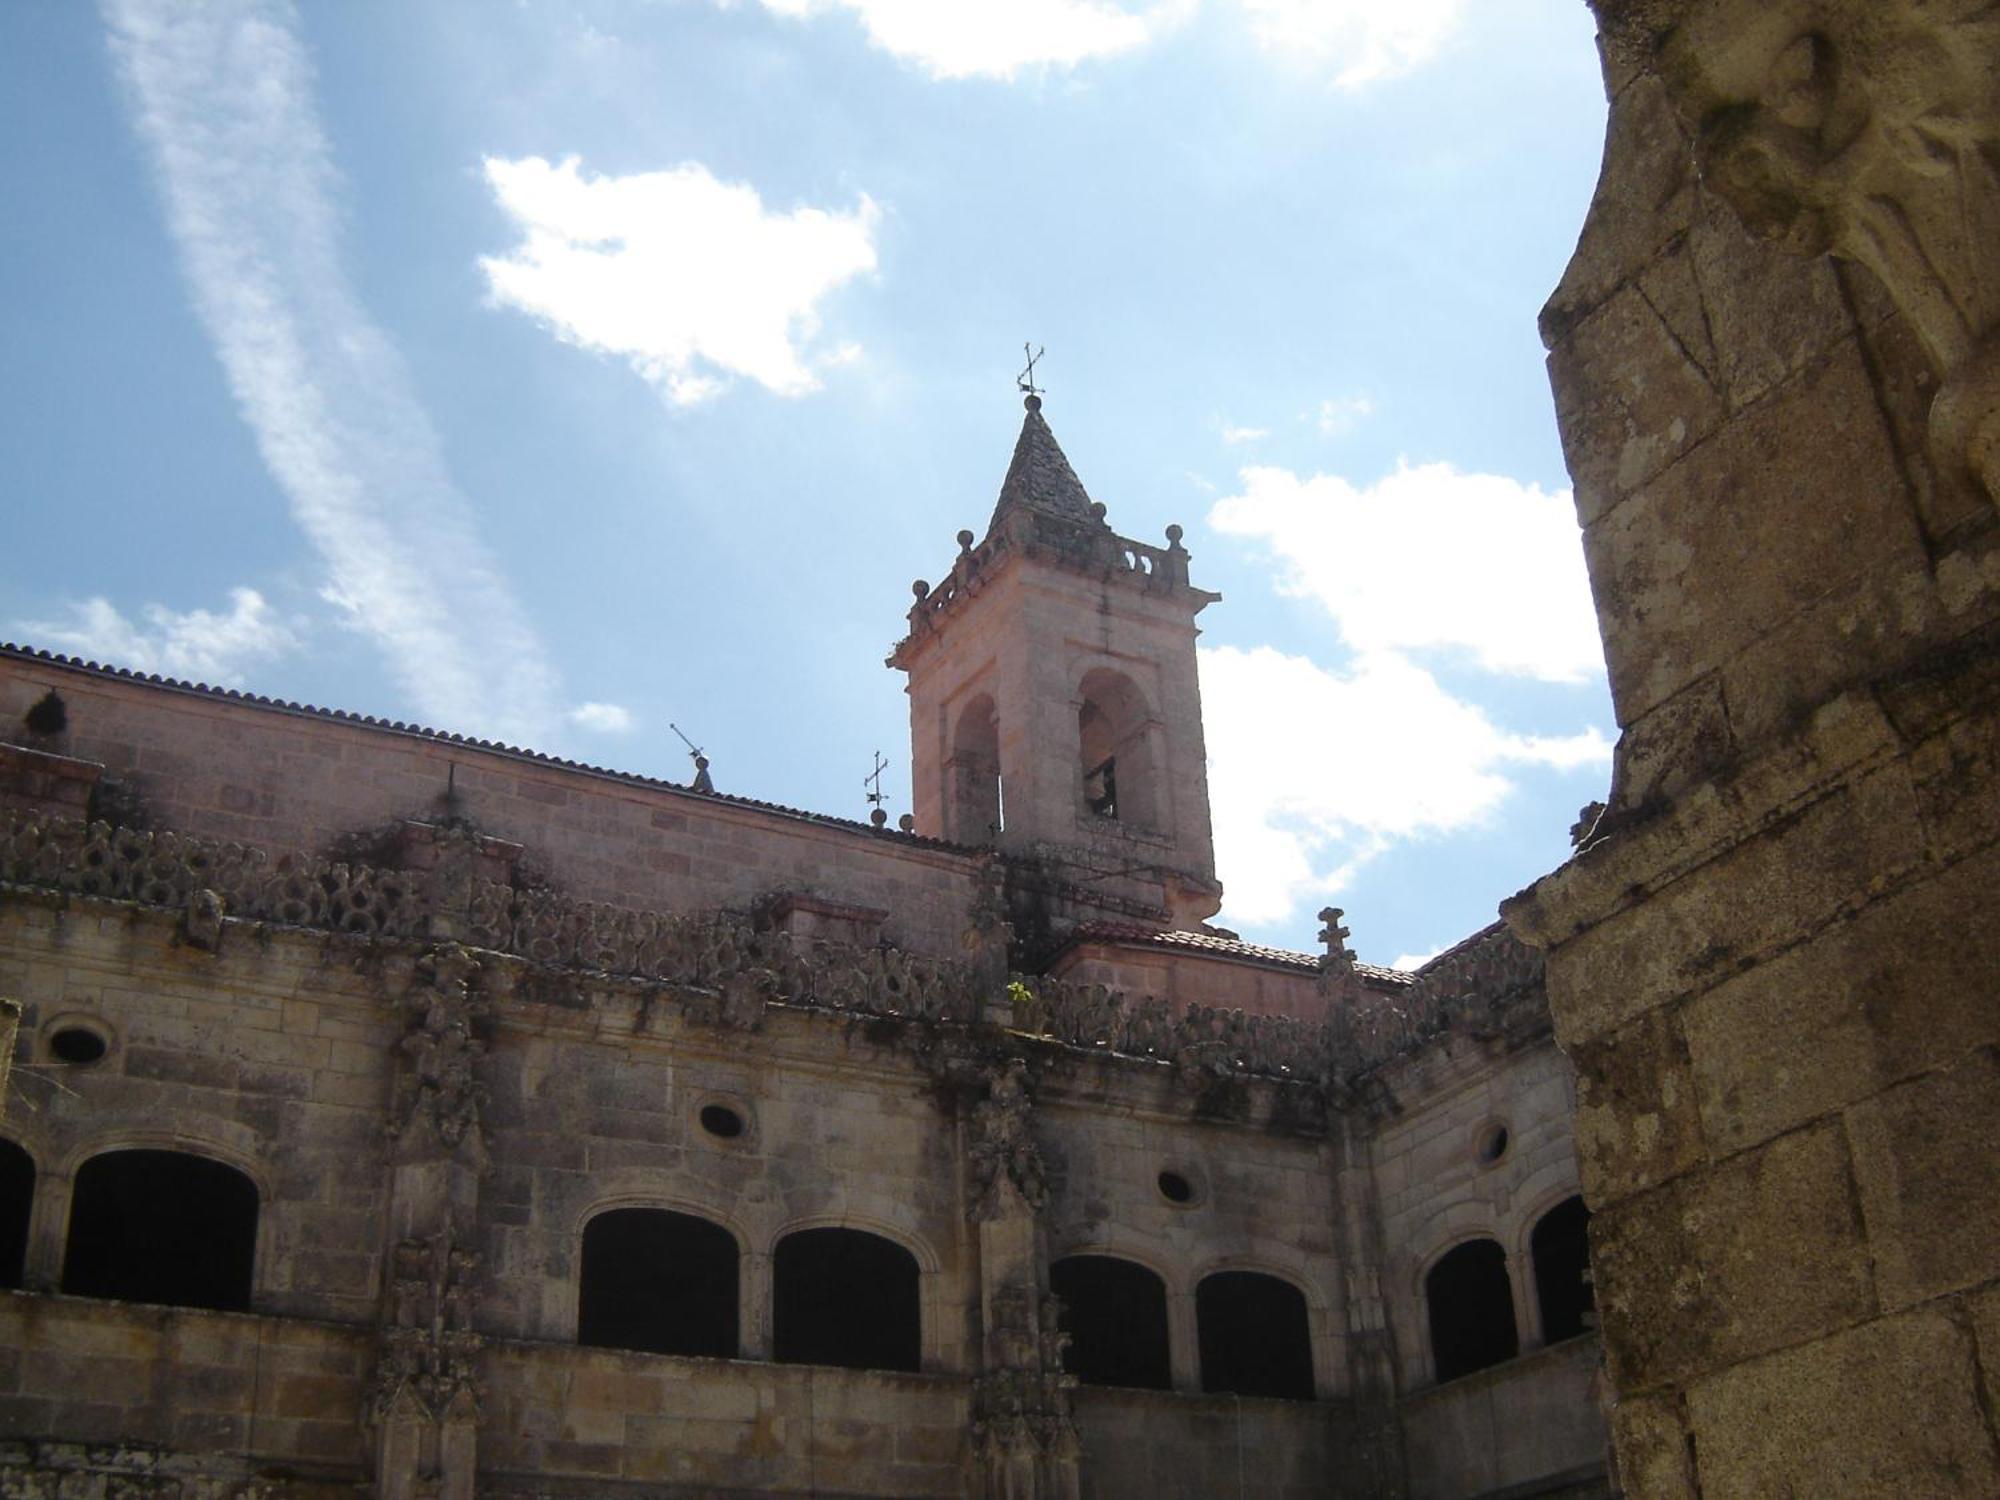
pixel 1054 709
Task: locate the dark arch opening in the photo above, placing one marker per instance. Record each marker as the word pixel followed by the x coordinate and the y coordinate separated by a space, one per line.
pixel 162 1226
pixel 975 812
pixel 1115 1312
pixel 661 1282
pixel 1255 1336
pixel 845 1297
pixel 1111 738
pixel 17 1199
pixel 1472 1310
pixel 1560 1248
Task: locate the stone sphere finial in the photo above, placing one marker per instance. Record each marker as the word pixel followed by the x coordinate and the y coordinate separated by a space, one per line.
pixel 965 541
pixel 1097 509
pixel 1033 403
pixel 906 824
pixel 1174 533
pixel 920 589
pixel 878 817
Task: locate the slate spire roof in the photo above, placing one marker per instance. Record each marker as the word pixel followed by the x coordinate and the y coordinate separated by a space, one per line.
pixel 1040 478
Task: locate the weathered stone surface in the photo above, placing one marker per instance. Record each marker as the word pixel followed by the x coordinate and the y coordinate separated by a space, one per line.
pixel 1637 1125
pixel 1690 936
pixel 1708 555
pixel 1889 1408
pixel 1763 1251
pixel 1929 1173
pixel 1870 1000
pixel 1655 1458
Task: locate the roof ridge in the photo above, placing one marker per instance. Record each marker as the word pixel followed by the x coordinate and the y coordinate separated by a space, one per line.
pixel 444 736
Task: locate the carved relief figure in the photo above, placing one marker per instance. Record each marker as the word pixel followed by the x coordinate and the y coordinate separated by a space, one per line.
pixel 1005 1160
pixel 1868 129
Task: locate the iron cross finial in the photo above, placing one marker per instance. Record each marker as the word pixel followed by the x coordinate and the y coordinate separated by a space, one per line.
pixel 1026 379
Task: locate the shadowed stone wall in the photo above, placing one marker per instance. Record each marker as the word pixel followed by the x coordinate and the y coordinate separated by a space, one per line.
pixel 1774 961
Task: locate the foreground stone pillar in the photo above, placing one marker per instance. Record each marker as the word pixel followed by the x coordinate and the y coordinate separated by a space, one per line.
pixel 1775 961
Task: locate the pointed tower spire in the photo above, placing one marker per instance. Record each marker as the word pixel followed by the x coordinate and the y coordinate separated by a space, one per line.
pixel 1040 477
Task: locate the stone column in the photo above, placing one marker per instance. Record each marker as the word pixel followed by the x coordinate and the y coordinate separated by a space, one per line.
pixel 1024 1434
pixel 424 1407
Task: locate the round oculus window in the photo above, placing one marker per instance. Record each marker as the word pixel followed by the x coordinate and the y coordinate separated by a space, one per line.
pixel 720 1121
pixel 79 1046
pixel 1175 1188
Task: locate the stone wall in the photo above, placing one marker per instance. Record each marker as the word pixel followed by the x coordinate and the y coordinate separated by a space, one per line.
pixel 1774 965
pixel 263 776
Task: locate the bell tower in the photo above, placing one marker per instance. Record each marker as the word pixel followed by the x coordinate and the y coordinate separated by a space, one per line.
pixel 1054 707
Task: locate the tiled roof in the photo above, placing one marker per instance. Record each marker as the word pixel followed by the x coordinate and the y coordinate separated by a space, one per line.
pixel 1225 947
pixel 494 747
pixel 1040 477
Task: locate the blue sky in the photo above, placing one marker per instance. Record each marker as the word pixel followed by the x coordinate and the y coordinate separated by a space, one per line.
pixel 557 371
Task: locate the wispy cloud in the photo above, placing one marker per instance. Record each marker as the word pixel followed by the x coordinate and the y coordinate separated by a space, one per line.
pixel 198 644
pixel 1313 773
pixel 1429 558
pixel 1339 415
pixel 1233 435
pixel 690 278
pixel 997 38
pixel 601 718
pixel 222 96
pixel 1355 42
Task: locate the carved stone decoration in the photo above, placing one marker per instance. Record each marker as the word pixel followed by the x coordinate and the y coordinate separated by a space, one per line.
pixel 1024 1435
pixel 1338 960
pixel 1007 1170
pixel 423 1402
pixel 444 1093
pixel 1868 129
pixel 201 921
pixel 989 935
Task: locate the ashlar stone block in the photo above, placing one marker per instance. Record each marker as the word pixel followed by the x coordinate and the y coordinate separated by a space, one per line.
pixel 1887 1408
pixel 1763 1251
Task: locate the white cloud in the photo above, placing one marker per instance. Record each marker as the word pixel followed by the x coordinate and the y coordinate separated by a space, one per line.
pixel 1431 558
pixel 997 38
pixel 1339 415
pixel 198 645
pixel 221 96
pixel 1233 435
pixel 689 278
pixel 1313 773
pixel 601 718
pixel 1357 41
pixel 1409 962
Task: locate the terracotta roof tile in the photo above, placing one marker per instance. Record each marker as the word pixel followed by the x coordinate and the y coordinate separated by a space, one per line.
pixel 1225 947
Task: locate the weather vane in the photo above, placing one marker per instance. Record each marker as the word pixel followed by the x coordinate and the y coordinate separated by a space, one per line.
pixel 873 781
pixel 1026 379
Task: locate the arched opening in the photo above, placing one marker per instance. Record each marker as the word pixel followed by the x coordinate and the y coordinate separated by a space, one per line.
pixel 17 1198
pixel 1115 1312
pixel 845 1297
pixel 1254 1335
pixel 1472 1310
pixel 974 808
pixel 661 1282
pixel 162 1226
pixel 1560 1249
pixel 1116 760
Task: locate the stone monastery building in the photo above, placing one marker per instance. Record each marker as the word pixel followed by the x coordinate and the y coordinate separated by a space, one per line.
pixel 402 1114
